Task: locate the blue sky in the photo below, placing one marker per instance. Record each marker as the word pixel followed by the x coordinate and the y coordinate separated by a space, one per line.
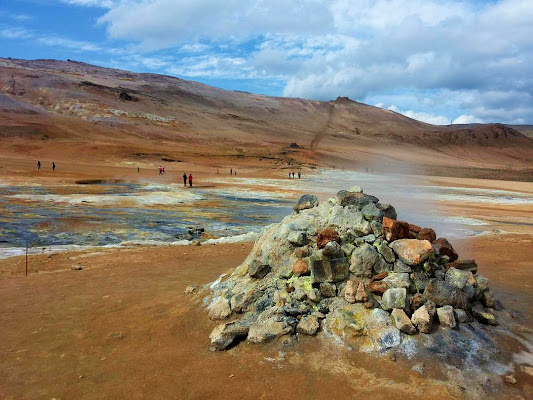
pixel 433 60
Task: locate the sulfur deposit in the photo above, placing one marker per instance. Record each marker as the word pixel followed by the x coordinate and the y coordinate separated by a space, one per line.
pixel 350 269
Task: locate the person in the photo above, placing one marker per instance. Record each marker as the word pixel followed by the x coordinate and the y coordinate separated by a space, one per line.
pixel 184 179
pixel 217 171
pixel 163 170
pixel 138 170
pixel 299 175
pixel 231 171
pixel 53 166
pixel 235 172
pixel 289 175
pixel 160 170
pixel 38 165
pixel 190 180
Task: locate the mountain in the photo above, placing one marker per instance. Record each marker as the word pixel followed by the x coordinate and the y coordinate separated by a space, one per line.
pixel 100 115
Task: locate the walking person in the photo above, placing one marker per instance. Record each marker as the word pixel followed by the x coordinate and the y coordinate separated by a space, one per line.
pixel 138 170
pixel 184 179
pixel 38 165
pixel 299 175
pixel 231 172
pixel 190 180
pixel 53 166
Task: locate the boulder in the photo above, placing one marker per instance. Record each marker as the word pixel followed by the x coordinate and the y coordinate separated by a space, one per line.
pixel 456 277
pixel 305 202
pixel 363 260
pixel 219 309
pixel 308 325
pixel 382 330
pixel 388 210
pixel 402 321
pixel 422 318
pixel 394 230
pixel 348 320
pixel 394 298
pixel 327 235
pixel 443 293
pixel 268 330
pixel 242 302
pixel 371 212
pixel 487 298
pixel 412 251
pixel 355 199
pixel 427 234
pixel 400 266
pixel 446 316
pixel 445 248
pixel 223 335
pixel 300 267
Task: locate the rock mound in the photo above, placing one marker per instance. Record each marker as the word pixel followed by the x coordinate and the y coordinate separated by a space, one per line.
pixel 349 269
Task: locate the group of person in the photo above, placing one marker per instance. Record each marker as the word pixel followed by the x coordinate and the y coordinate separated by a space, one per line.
pixel 291 175
pixel 39 165
pixel 161 170
pixel 232 172
pixel 185 179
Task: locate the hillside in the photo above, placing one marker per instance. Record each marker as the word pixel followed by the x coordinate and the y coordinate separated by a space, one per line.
pixel 91 114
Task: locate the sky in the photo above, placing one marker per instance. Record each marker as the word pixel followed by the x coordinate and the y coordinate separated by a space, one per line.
pixel 438 61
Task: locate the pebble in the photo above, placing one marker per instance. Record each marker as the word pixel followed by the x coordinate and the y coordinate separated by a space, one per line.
pixel 510 379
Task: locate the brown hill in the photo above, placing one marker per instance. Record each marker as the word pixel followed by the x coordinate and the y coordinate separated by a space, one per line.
pixel 85 113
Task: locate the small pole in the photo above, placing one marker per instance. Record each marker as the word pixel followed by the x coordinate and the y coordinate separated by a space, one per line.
pixel 26 259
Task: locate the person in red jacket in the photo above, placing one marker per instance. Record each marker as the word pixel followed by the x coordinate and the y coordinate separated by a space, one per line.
pixel 190 180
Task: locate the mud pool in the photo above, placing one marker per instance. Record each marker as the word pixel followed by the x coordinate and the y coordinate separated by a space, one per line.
pixel 106 214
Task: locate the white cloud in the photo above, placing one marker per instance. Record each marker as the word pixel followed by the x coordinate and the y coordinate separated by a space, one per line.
pixel 92 3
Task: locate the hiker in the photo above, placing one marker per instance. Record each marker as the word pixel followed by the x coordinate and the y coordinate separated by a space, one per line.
pixel 289 175
pixel 231 172
pixel 38 165
pixel 160 170
pixel 163 170
pixel 53 166
pixel 235 172
pixel 299 175
pixel 138 170
pixel 184 179
pixel 190 180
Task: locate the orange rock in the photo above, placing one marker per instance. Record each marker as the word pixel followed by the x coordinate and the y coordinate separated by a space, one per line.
pixel 377 287
pixel 446 249
pixel 300 267
pixel 393 229
pixel 414 228
pixel 412 251
pixel 427 234
pixel 326 236
pixel 380 276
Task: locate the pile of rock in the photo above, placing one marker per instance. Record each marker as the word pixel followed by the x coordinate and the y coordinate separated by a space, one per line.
pixel 348 267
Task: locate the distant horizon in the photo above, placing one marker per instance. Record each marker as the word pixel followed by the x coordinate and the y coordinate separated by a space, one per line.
pixel 460 61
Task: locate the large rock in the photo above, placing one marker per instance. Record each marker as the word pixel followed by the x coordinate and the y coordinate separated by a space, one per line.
pixel 394 298
pixel 402 321
pixel 305 202
pixel 223 335
pixel 355 199
pixel 412 251
pixel 427 234
pixel 327 235
pixel 332 250
pixel 348 320
pixel 388 210
pixel 220 309
pixel 445 248
pixel 371 212
pixel 363 260
pixel 394 230
pixel 464 265
pixel 347 219
pixel 483 316
pixel 382 330
pixel 270 329
pixel 329 270
pixel 443 293
pixel 457 278
pixel 258 270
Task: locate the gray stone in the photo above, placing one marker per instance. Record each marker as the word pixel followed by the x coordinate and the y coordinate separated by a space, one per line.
pixel 384 250
pixel 461 316
pixel 456 277
pixel 297 238
pixel 220 309
pixel 348 249
pixel 487 298
pixel 443 293
pixel 369 238
pixel 382 330
pixel 305 202
pixel 241 302
pixel 355 199
pixel 482 283
pixel 308 325
pixel 314 295
pixel 388 210
pixel 328 289
pixel 394 298
pixel 363 260
pixel 299 295
pixel 402 321
pixel 224 334
pixel 397 280
pixel 355 189
pixel 376 227
pixel 446 316
pixel 268 330
pixel 382 266
pixel 420 279
pixel 483 316
pixel 371 212
pixel 332 250
pixel 258 270
pixel 329 270
pixel 400 266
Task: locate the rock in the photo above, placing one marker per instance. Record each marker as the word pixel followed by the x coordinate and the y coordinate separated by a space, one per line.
pixel 308 325
pixel 371 212
pixel 363 260
pixel 446 316
pixel 377 227
pixel 483 316
pixel 443 293
pixel 414 228
pixel 314 295
pixel 196 242
pixel 400 266
pixel 388 210
pixel 445 248
pixel 305 202
pixel 327 235
pixel 464 265
pixel 224 335
pixel 348 249
pixel 328 289
pixel 220 309
pixel 301 252
pixel 380 276
pixel 191 289
pixel 300 267
pixel 370 304
pixel 412 251
pixel 347 321
pixel 329 270
pixel 427 234
pixel 385 251
pixel 299 294
pixel 258 270
pixel 377 287
pixel 394 298
pixel 394 280
pixel 456 277
pixel 355 189
pixel 241 302
pixel 332 250
pixel 510 379
pixel 420 280
pixel 382 331
pixel 351 290
pixel 482 283
pixel 402 321
pixel 76 268
pixel 297 238
pixel 268 330
pixel 471 279
pixel 347 220
pixel 461 316
pixel 116 335
pixel 355 199
pixel 487 298
pixel 422 318
pixel 394 230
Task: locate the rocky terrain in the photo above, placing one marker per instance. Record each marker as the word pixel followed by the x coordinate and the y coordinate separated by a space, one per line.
pixel 347 268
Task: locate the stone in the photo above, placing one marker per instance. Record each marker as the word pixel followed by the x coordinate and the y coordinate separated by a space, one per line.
pixel 420 279
pixel 446 316
pixel 510 379
pixel 427 234
pixel 414 228
pixel 348 220
pixel 402 321
pixel 350 290
pixel 443 293
pixel 363 260
pixel 382 330
pixel 464 265
pixel 385 251
pixel 258 270
pixel 306 202
pixel 327 235
pixel 483 316
pixel 487 298
pixel 300 267
pixel 268 330
pixel 471 279
pixel 377 227
pixel 329 270
pixel 445 248
pixel 242 302
pixel 220 309
pixel 482 283
pixel 348 249
pixel 297 238
pixel 412 251
pixel 371 212
pixel 191 289
pixel 394 230
pixel 332 250
pixel 308 325
pixel 461 316
pixel 394 298
pixel 223 335
pixel 398 280
pixel 355 199
pixel 416 301
pixel 400 266
pixel 388 210
pixel 301 252
pixel 76 268
pixel 377 287
pixel 380 276
pixel 456 277
pixel 355 189
pixel 422 318
pixel 328 289
pixel 314 295
pixel 347 321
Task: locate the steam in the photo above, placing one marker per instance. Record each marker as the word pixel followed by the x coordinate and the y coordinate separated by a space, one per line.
pixel 320 135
